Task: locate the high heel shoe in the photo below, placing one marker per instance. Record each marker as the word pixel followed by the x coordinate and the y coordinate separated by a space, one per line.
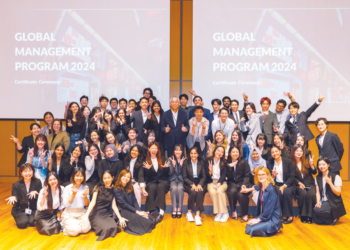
pixel 288 221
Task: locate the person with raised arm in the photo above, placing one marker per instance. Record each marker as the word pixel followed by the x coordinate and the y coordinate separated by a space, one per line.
pixel 139 118
pixel 121 127
pixel 92 166
pixel 76 126
pixel 49 119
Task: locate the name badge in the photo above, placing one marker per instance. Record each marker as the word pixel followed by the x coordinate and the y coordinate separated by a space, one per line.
pixel 28 211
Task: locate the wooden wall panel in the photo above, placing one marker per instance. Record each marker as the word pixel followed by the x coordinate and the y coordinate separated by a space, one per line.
pixel 174 40
pixel 342 130
pixel 187 34
pixel 7 149
pixel 174 91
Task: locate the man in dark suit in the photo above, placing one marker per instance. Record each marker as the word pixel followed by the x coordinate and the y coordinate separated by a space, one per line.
pixel 147 93
pixel 198 101
pixel 174 125
pixel 139 118
pixel 268 121
pixel 236 115
pixel 297 124
pixel 329 145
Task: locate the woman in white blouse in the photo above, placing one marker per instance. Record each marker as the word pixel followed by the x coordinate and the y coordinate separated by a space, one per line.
pixel 75 199
pixel 49 203
pixel 92 160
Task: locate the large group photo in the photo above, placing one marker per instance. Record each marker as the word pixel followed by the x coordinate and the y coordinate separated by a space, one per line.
pixel 175 125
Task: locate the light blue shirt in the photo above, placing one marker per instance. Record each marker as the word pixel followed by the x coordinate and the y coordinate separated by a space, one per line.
pixel 194 169
pixel 40 170
pixel 282 118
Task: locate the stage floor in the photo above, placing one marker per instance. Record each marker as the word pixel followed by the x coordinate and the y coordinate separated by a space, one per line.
pixel 180 234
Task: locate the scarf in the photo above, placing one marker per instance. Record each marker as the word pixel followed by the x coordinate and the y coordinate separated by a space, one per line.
pixel 115 156
pixel 256 163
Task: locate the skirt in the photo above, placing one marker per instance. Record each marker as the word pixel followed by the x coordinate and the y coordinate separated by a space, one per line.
pixel 46 223
pixel 136 224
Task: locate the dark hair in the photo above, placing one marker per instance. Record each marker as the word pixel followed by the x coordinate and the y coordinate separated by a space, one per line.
pixel 23 167
pixel 46 147
pixel 34 124
pixel 118 111
pixel 197 96
pixel 104 121
pixel 94 131
pixel 229 158
pixel 79 116
pixel 83 108
pixel 198 152
pixel 183 95
pixel 282 101
pixel 109 133
pixel 321 119
pixel 304 146
pixel 99 157
pixel 143 98
pixel 326 160
pixel 113 99
pixel 123 100
pixel 139 158
pixel 276 148
pixel 84 96
pixel 100 184
pixel 304 161
pixel 159 157
pixel 103 98
pixel 49 191
pixel 265 99
pixel 294 105
pixel 132 100
pixel 56 147
pixel 198 107
pixel 81 151
pixel 234 100
pixel 251 105
pixel 218 101
pixel 265 148
pixel 223 109
pixel 93 112
pixel 222 159
pixel 56 120
pixel 181 147
pixel 76 171
pixel 132 129
pixel 153 98
pixel 226 97
pixel 240 140
pixel 128 187
pixel 149 89
pixel 161 111
pixel 48 113
pixel 281 138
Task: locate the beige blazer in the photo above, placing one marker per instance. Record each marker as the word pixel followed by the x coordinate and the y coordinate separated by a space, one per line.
pixel 61 137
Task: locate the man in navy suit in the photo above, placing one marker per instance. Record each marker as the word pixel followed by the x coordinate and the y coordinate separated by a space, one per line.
pixel 329 145
pixel 297 124
pixel 174 125
pixel 198 101
pixel 139 118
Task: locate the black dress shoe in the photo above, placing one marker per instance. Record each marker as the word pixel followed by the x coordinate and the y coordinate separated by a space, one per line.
pixel 173 215
pixel 334 222
pixel 179 215
pixel 309 220
pixel 159 218
pixel 288 221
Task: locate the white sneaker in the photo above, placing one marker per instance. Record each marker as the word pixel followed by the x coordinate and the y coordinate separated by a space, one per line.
pixel 198 220
pixel 189 217
pixel 224 217
pixel 218 217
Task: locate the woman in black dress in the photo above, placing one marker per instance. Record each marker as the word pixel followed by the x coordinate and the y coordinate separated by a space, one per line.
pixel 24 197
pixel 56 161
pixel 76 126
pixel 110 163
pixel 49 203
pixel 99 211
pixel 138 222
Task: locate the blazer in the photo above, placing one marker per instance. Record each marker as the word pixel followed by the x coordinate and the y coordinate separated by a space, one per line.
pixel 191 137
pixel 137 167
pixel 114 166
pixel 307 179
pixel 240 176
pixel 126 201
pixel 267 126
pixel 46 130
pixel 271 209
pixel 137 119
pixel 121 131
pixel 332 149
pixel 68 168
pixel 175 172
pixel 27 142
pixel 209 178
pixel 187 173
pixel 65 179
pixel 20 191
pixel 242 114
pixel 253 127
pixel 175 134
pixel 206 115
pixel 151 176
pixel 288 170
pixel 155 126
pixel 61 137
pixel 291 131
pixel 92 125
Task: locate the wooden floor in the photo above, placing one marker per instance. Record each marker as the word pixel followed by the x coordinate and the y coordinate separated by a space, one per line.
pixel 180 234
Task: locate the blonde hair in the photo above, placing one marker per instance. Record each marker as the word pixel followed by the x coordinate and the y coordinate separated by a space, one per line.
pixel 267 172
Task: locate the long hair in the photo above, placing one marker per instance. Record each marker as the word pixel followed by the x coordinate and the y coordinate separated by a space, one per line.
pixel 48 113
pixel 95 131
pixel 159 157
pixel 265 148
pixel 80 158
pixel 282 141
pixel 99 157
pixel 49 191
pixel 116 143
pixel 239 142
pixel 197 151
pixel 101 184
pixel 161 111
pixel 76 171
pixel 225 142
pixel 46 147
pixel 304 146
pixel 56 120
pixel 128 187
pixel 139 158
pixel 54 157
pixel 222 159
pixel 93 112
pixel 304 161
pixel 267 172
pixel 79 116
pixel 23 167
pixel 229 158
pixel 179 147
pixel 104 121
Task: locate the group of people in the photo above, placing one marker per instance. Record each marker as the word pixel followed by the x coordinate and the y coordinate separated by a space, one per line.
pixel 95 170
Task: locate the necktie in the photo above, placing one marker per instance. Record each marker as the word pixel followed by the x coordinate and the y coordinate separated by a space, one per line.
pixel 236 117
pixel 294 120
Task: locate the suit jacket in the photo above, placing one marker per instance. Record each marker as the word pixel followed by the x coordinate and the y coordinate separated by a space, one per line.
pixel 92 125
pixel 175 172
pixel 291 131
pixel 288 170
pixel 252 127
pixel 206 115
pixel 65 179
pixel 209 177
pixel 137 119
pixel 307 179
pixel 114 166
pixel 332 149
pixel 242 174
pixel 155 126
pixel 126 201
pixel 121 131
pixel 61 137
pixel 20 191
pixel 175 134
pixel 267 126
pixel 27 142
pixel 67 168
pixel 242 114
pixel 137 167
pixel 187 173
pixel 151 176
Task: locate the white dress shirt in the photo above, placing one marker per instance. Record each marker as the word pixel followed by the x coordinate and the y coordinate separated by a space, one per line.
pixel 337 183
pixel 320 141
pixel 175 116
pixel 281 119
pixel 194 169
pixel 299 166
pixel 215 115
pixel 279 169
pixel 227 127
pixel 78 201
pixel 155 164
pixel 216 170
pixel 55 200
pixel 158 117
pixel 132 164
pixel 144 115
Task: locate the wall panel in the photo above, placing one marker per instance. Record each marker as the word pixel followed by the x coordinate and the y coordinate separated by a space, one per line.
pixel 7 149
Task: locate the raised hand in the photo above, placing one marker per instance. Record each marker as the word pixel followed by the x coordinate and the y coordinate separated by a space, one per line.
pixel 42 155
pixel 149 115
pixel 321 97
pixel 182 160
pixel 194 122
pixel 37 122
pixel 11 200
pixel 210 166
pixel 193 92
pixel 69 123
pixel 328 180
pixel 45 192
pixel 119 148
pixel 287 94
pixel 146 165
pixel 72 158
pixel 32 194
pixel 183 129
pixel 274 174
pixel 166 165
pixel 126 147
pixel 173 161
pixel 74 190
pixel 210 145
pixel 15 140
pixel 31 153
pixel 67 106
pixel 311 160
pixel 167 129
pixel 86 144
pixel 145 131
pixel 86 191
pixel 245 97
